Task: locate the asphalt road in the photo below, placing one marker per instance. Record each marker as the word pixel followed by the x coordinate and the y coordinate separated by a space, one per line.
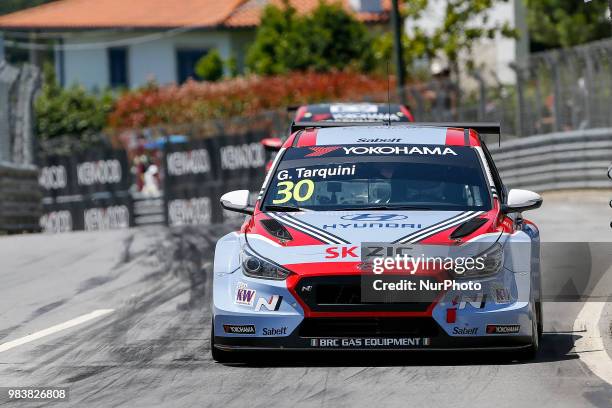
pixel 153 349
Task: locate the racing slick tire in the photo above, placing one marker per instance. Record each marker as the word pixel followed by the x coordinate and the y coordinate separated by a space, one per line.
pixel 540 318
pixel 220 356
pixel 531 352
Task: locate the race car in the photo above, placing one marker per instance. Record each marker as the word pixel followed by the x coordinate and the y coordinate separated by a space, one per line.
pixel 300 274
pixel 353 112
pixel 342 112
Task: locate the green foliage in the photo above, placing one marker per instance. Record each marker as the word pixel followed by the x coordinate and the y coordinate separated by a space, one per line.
pixel 327 39
pixel 464 24
pixel 232 67
pixel 73 112
pixel 210 66
pixel 564 23
pixel 9 6
pixel 337 39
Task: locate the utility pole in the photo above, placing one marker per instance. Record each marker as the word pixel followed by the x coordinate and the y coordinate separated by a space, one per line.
pixel 396 24
pixel 2 56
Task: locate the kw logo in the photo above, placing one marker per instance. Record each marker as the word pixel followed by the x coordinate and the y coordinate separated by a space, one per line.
pixel 244 295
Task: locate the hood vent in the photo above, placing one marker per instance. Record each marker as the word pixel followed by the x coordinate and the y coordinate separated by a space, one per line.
pixel 276 229
pixel 468 227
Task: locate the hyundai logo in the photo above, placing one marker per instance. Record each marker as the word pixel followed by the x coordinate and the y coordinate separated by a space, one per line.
pixel 374 217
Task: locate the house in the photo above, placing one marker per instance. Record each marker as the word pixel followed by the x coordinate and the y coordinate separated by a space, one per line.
pixel 126 43
pixel 493 56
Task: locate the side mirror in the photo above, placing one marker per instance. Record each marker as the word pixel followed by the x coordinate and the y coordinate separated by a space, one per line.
pixel 237 201
pixel 521 200
pixel 272 144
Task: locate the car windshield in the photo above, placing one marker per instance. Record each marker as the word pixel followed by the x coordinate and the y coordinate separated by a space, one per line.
pixel 328 178
pixel 355 113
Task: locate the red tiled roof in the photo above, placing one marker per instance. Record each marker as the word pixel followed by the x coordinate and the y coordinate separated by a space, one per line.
pixel 248 14
pixel 92 14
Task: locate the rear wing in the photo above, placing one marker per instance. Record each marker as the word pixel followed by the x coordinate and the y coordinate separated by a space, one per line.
pixel 484 128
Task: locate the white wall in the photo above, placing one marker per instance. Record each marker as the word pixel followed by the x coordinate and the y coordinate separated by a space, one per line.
pixel 495 55
pixel 148 58
pixel 86 67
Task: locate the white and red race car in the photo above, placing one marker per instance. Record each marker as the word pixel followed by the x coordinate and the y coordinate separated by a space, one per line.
pixel 343 112
pixel 353 112
pixel 342 198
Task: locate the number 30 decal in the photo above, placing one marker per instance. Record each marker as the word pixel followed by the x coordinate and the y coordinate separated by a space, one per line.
pixel 288 190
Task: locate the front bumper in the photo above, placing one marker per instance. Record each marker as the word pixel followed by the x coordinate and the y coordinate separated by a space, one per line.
pixel 291 327
pixel 440 342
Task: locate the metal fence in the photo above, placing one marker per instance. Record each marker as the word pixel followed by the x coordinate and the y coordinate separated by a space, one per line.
pixel 20 197
pixel 564 160
pixel 555 91
pixel 18 88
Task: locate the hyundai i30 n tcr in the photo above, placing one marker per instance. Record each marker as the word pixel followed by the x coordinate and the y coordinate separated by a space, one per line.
pixel 343 112
pixel 299 272
pixel 353 112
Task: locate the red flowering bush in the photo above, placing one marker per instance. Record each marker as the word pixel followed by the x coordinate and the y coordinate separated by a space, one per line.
pixel 197 102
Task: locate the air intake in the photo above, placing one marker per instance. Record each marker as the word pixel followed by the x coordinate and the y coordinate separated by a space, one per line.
pixel 276 229
pixel 468 227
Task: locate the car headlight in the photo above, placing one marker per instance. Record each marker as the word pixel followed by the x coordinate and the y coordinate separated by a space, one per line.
pixel 255 267
pixel 485 264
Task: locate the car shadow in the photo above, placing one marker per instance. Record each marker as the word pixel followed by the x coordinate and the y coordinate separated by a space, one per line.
pixel 554 347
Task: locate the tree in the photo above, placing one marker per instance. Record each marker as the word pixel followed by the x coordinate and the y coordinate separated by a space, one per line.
pixel 73 116
pixel 329 38
pixel 210 67
pixel 464 23
pixel 564 23
pixel 337 39
pixel 9 6
pixel 280 43
pixel 416 44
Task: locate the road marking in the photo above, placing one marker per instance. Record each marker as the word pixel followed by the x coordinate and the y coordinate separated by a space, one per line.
pixel 54 329
pixel 590 346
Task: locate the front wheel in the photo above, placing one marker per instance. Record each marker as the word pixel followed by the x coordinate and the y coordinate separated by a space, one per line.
pixel 540 318
pixel 531 352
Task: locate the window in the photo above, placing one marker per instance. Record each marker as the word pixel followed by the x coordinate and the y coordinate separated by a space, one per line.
pixel 186 62
pixel 499 185
pixel 391 179
pixel 118 67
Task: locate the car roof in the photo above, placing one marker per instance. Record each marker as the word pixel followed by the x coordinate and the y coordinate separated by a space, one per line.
pixel 364 111
pixel 326 107
pixel 380 134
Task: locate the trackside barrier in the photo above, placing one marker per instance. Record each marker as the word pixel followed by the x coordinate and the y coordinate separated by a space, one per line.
pixel 556 161
pixel 92 191
pixel 198 173
pixel 86 191
pixel 20 198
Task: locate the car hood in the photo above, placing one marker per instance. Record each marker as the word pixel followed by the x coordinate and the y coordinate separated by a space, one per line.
pixel 317 236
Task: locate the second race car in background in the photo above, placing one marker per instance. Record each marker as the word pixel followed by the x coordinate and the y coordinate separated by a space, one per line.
pixel 353 112
pixel 342 112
